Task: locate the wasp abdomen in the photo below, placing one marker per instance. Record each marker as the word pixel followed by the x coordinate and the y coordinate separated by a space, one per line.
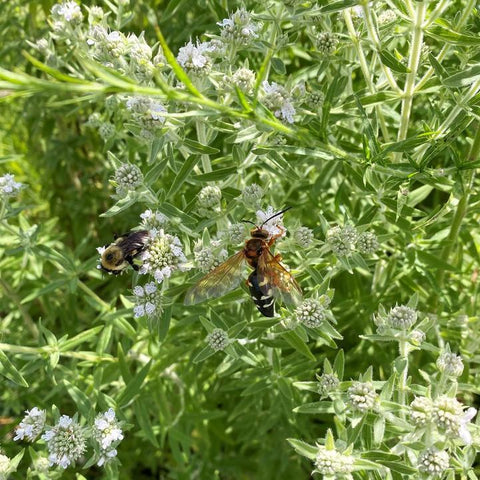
pixel 261 294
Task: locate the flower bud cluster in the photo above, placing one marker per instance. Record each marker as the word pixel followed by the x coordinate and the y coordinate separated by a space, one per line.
pixel 343 241
pixel 238 28
pixel 327 383
pixel 312 312
pixel 362 396
pixel 332 462
pixel 147 111
pixel 127 177
pixel 210 256
pixel 218 339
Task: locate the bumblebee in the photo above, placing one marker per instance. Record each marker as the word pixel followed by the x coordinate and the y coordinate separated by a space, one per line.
pixel 121 253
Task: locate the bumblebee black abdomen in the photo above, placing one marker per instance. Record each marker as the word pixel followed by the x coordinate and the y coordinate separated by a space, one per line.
pixel 261 294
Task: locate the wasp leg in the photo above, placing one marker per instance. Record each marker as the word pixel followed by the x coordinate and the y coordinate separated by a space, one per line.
pixel 274 237
pixel 278 257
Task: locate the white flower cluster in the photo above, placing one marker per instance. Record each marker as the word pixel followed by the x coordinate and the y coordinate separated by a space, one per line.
pixel 303 236
pixel 332 462
pixel 362 396
pixel 148 300
pixel 450 364
pixel 401 317
pixel 343 241
pixel 31 426
pixel 163 255
pixel 108 433
pixel 277 99
pixel 327 383
pixel 8 186
pixel 239 28
pixel 128 54
pixel 146 110
pixel 244 79
pixel 446 413
pixel 252 195
pixel 236 233
pixel 274 226
pixel 327 42
pixel 66 442
pixel 197 58
pixel 153 221
pixel 65 14
pixel 67 439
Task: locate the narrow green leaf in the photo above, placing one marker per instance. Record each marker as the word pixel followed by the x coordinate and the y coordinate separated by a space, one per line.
pixel 204 354
pixel 67 345
pixel 464 78
pixel 390 61
pixel 196 147
pixel 8 370
pixel 298 344
pixel 315 408
pixel 338 6
pixel 182 175
pixel 303 448
pixel 216 175
pixel 133 387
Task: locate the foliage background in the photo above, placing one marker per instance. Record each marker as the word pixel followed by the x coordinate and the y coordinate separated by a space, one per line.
pixel 230 416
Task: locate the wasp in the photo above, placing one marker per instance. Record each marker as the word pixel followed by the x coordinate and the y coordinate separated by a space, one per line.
pixel 116 256
pixel 268 280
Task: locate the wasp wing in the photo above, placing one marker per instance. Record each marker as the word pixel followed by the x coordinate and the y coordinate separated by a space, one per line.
pixel 275 280
pixel 219 281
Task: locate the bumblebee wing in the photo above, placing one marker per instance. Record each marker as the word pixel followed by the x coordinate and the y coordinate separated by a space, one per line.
pixel 275 280
pixel 133 243
pixel 219 281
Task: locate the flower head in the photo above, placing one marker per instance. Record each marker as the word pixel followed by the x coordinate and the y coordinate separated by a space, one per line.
pixel 421 411
pixel 244 79
pixel 153 221
pixel 209 197
pixel 207 258
pixel 238 28
pixel 8 186
pixel 146 110
pixel 148 300
pixel 433 461
pixel 362 396
pixel 367 243
pixel 32 425
pixel 327 382
pixel 67 11
pixel 303 236
pixel 4 466
pixel 236 233
pixel 332 462
pixel 106 130
pixel 401 317
pixel 65 441
pixel 450 364
pixel 342 240
pixel 327 42
pixel 252 195
pixel 277 99
pixel 218 339
pixel 311 313
pixel 274 226
pixel 449 417
pixel 128 177
pixel 163 255
pixel 387 16
pixel 195 58
pixel 107 429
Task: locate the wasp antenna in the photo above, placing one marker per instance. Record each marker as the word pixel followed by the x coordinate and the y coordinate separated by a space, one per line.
pixel 248 221
pixel 276 215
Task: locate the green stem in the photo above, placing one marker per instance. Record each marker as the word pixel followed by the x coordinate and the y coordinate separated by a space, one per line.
pixel 415 51
pixel 202 138
pixel 365 70
pixel 462 207
pixel 402 382
pixel 442 5
pixel 372 32
pixel 466 12
pixel 48 350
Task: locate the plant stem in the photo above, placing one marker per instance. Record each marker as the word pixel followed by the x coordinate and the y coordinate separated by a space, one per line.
pixel 466 12
pixel 372 32
pixel 415 51
pixel 202 138
pixel 92 294
pixel 402 383
pixel 365 71
pixel 462 207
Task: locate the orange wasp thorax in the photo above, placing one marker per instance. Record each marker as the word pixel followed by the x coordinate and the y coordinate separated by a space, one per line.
pixel 254 246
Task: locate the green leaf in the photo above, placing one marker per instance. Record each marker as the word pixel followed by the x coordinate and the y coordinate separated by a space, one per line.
pixel 446 34
pixel 464 78
pixel 67 345
pixel 389 60
pixel 196 147
pixel 123 204
pixel 144 421
pixel 303 448
pixel 298 344
pixel 338 6
pixel 81 400
pixel 315 408
pixel 185 170
pixel 8 370
pixel 133 387
pixel 278 66
pixel 208 351
pixel 216 175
